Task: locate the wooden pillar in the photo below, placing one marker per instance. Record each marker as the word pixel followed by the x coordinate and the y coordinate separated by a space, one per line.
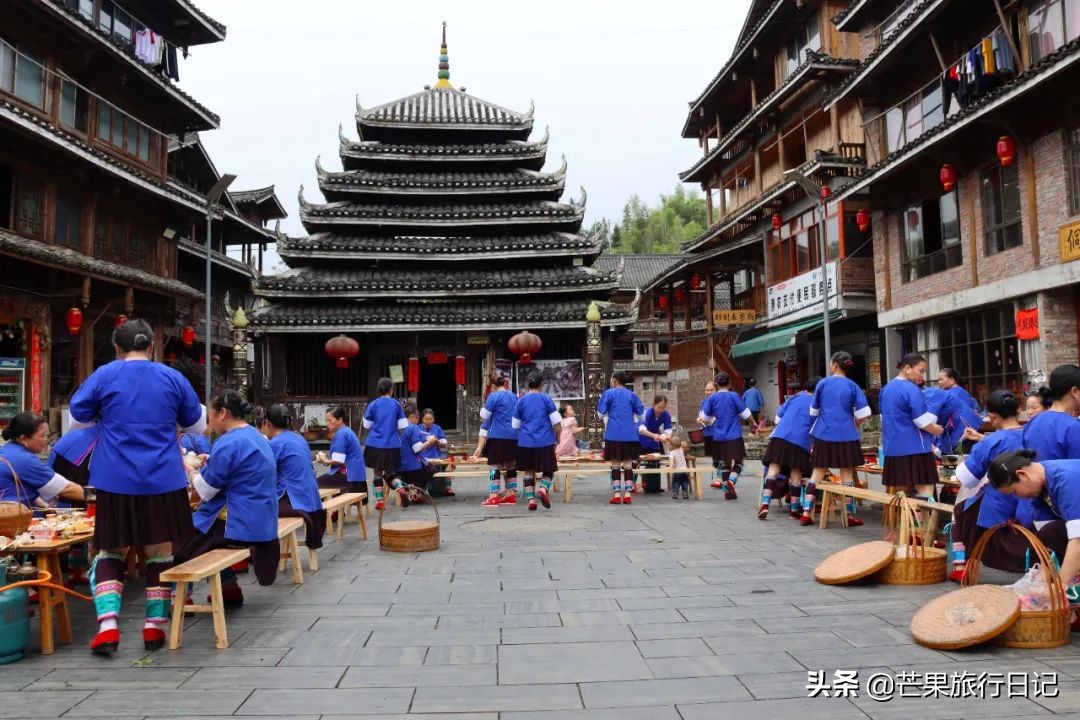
pixel 885 225
pixel 834 120
pixel 753 93
pixel 670 312
pixel 973 245
pixel 780 149
pixel 1033 206
pixel 709 324
pixel 757 169
pixel 686 304
pixel 707 187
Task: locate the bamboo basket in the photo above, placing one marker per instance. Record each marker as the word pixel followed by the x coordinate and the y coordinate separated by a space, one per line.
pixel 919 564
pixel 1036 629
pixel 408 536
pixel 14 516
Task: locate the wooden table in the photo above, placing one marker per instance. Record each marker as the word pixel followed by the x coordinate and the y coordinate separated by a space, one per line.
pixel 695 474
pixel 47 556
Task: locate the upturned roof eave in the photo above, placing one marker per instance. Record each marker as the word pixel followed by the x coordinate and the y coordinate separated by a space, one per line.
pixel 321 293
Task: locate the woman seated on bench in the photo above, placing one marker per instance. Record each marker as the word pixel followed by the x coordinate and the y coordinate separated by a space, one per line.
pixel 297 486
pixel 238 488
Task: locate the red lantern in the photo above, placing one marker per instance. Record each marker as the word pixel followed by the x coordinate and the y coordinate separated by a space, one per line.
pixel 695 281
pixel 120 320
pixel 187 336
pixel 414 375
pixel 680 294
pixel 662 302
pixel 215 359
pixel 826 192
pixel 524 344
pixel 862 219
pixel 459 369
pixel 777 221
pixel 171 357
pixel 1006 150
pixel 202 359
pixel 948 177
pixel 74 320
pixel 342 348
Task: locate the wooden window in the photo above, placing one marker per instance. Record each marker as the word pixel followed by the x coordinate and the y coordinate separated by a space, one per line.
pixel 1051 24
pixel 74 106
pixel 1073 141
pixel 22 74
pixel 931 232
pixel 118 246
pixel 7 195
pixel 68 219
pixel 1001 208
pixel 83 7
pixel 806 38
pixel 30 208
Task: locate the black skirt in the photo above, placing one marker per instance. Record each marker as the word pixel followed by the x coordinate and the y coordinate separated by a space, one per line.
pixel 904 472
pixel 540 460
pixel 845 454
pixel 264 555
pixel 729 452
pixel 382 461
pixel 619 450
pixel 314 522
pixel 139 520
pixel 708 446
pixel 500 451
pixel 420 478
pixel 787 454
pixel 1005 550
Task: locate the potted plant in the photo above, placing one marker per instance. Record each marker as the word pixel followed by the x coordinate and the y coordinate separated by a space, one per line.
pixel 313 430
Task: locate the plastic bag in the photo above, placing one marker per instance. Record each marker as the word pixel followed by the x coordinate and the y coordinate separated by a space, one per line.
pixel 1032 590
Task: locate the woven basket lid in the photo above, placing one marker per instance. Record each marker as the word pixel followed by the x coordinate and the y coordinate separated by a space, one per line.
pixel 855 563
pixel 409 525
pixel 965 617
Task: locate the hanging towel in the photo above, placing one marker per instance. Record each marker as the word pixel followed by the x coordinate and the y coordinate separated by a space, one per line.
pixel 988 56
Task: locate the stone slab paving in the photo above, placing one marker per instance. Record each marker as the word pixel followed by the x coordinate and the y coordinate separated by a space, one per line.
pixel 663 610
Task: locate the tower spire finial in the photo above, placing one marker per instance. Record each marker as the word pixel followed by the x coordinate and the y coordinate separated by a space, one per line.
pixel 444 64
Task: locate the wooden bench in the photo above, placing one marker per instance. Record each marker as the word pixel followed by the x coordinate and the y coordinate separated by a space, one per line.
pixel 835 491
pixel 327 493
pixel 205 567
pixel 290 548
pixel 340 504
pixel 695 474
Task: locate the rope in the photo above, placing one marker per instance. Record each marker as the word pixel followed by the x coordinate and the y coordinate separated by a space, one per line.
pixel 44 582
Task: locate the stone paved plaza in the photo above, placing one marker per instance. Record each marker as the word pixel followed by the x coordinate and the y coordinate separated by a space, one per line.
pixel 662 610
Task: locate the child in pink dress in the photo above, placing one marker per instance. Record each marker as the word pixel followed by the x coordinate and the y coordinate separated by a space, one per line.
pixel 567 446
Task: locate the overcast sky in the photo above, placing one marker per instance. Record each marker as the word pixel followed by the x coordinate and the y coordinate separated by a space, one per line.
pixel 611 79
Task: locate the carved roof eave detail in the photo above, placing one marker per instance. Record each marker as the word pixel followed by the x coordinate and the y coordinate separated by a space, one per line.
pixel 334 327
pixel 322 293
pixel 370 149
pixel 430 108
pixel 517 182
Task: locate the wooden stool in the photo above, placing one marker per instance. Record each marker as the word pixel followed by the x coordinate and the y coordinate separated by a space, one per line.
pixel 341 504
pixel 290 548
pixel 204 567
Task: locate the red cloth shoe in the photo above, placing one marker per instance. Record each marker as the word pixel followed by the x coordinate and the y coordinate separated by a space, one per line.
pixel 638 490
pixel 545 499
pixel 492 501
pixel 509 498
pixel 805 520
pixel 450 492
pixel 853 521
pixel 105 642
pixel 729 493
pixel 153 638
pixel 380 504
pixel 718 484
pixel 627 499
pixel 957 576
pixel 763 512
pixel 404 497
pixel 616 499
pixel 240 567
pixel 795 513
pixel 532 504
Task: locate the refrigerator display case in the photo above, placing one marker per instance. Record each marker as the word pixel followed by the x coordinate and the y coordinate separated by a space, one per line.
pixel 12 385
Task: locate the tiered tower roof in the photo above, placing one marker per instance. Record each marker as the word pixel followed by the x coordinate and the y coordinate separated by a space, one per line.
pixel 442 218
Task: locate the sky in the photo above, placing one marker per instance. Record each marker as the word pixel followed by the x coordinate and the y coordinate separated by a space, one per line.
pixel 611 79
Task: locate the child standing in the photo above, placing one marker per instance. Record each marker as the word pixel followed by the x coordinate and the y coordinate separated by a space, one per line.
pixel 568 433
pixel 680 481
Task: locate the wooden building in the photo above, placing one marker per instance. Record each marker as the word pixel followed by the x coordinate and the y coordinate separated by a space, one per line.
pixel 440 238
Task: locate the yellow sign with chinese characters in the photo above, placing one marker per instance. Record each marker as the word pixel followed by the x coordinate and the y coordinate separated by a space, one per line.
pixel 734 317
pixel 1069 242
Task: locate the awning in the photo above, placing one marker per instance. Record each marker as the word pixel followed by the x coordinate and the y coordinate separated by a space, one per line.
pixel 779 338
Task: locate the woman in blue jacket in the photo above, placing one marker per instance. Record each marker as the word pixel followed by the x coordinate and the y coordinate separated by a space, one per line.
pixel 435 452
pixel 535 418
pixel 384 421
pixel 966 413
pixel 725 412
pixel 754 400
pixel 655 428
pixel 789 447
pixel 907 430
pixel 297 487
pixel 498 442
pixel 413 468
pixel 621 410
pixel 347 471
pixel 1054 434
pixel 23 477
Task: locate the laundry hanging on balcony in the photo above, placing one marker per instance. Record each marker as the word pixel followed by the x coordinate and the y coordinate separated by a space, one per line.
pixel 986 66
pixel 149 46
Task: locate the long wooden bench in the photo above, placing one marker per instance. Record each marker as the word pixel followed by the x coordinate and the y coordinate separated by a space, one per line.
pixel 340 504
pixel 695 474
pixel 835 491
pixel 290 548
pixel 205 567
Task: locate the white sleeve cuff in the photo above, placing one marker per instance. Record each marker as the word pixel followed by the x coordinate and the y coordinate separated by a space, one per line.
pixel 1072 527
pixel 555 418
pixel 485 414
pixel 52 489
pixel 642 430
pixel 74 424
pixel 515 423
pixel 417 447
pixel 368 424
pixel 776 420
pixel 965 477
pixel 337 457
pixel 927 418
pixel 814 412
pixel 199 426
pixel 863 413
pixel 667 433
pixel 483 432
pixel 1040 524
pixel 443 442
pixel 746 414
pixel 604 418
pixel 402 423
pixel 206 492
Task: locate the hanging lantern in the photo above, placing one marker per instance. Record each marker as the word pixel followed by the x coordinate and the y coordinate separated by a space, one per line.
pixel 777 221
pixel 342 348
pixel 215 359
pixel 120 320
pixel 1006 150
pixel 680 294
pixel 187 336
pixel 170 358
pixel 202 359
pixel 695 281
pixel 662 302
pixel 459 369
pixel 414 375
pixel 862 219
pixel 948 177
pixel 73 320
pixel 524 344
pixel 826 192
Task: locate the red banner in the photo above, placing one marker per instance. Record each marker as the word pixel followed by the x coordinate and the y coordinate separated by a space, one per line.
pixel 1027 324
pixel 413 376
pixel 459 369
pixel 437 358
pixel 35 369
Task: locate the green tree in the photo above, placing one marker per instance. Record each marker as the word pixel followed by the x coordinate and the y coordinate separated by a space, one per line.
pixel 678 218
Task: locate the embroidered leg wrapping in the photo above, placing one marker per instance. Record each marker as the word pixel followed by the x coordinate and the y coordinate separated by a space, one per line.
pixel 850 505
pixel 616 480
pixel 158 596
pixel 767 490
pixel 107 580
pixel 380 481
pixel 545 482
pixel 511 481
pixel 808 498
pixel 494 484
pixel 628 479
pixel 736 469
pixel 530 486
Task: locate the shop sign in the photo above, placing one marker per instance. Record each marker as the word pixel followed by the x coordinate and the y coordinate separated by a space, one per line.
pixel 801 294
pixel 1027 324
pixel 481 339
pixel 1069 241
pixel 35 369
pixel 734 317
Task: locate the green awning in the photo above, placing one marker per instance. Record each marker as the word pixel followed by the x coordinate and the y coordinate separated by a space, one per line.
pixel 779 338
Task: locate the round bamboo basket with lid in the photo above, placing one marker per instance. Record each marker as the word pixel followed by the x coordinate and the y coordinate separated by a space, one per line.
pixel 854 563
pixel 914 563
pixel 1035 629
pixel 15 517
pixel 407 536
pixel 965 617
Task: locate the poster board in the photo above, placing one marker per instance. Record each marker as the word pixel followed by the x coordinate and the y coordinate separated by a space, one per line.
pixel 562 379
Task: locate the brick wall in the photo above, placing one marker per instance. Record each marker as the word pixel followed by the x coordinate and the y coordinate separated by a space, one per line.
pixel 688 393
pixel 1052 197
pixel 1057 327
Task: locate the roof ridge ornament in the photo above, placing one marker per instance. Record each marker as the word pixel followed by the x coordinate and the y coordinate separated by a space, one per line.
pixel 305 206
pixel 532 109
pixel 360 112
pixel 561 172
pixel 443 82
pixel 341 134
pixel 319 169
pixel 577 203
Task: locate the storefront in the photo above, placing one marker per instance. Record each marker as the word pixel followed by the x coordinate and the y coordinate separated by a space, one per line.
pixel 24 356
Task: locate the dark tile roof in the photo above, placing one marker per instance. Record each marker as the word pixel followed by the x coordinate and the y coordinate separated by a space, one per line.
pixel 638 270
pixel 444 315
pixel 460 151
pixel 364 282
pixel 252 197
pixel 220 27
pixel 444 181
pixel 436 248
pixel 436 214
pixel 18 246
pixel 443 106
